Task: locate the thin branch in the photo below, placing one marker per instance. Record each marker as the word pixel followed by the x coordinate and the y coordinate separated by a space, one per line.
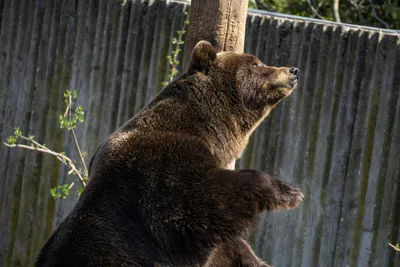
pixel 254 2
pixel 69 111
pixel 394 247
pixel 314 11
pixel 264 5
pixel 174 59
pixel 33 141
pixel 80 153
pixel 320 4
pixel 64 159
pixel 358 7
pixel 354 4
pixel 378 18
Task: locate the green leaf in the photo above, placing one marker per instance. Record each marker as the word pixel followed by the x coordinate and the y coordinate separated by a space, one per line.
pixel 17 132
pixel 79 190
pixel 54 193
pixel 65 189
pixel 61 191
pixel 67 93
pixel 12 140
pixel 78 116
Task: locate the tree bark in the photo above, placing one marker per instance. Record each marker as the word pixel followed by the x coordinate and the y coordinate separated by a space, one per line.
pixel 221 22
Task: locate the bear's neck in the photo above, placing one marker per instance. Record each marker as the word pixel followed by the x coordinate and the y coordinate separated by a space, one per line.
pixel 247 125
pixel 232 126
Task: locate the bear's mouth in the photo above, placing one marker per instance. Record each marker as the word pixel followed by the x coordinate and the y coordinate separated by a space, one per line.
pixel 290 86
pixel 293 83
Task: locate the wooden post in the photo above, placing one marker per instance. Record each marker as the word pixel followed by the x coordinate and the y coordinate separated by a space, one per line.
pixel 221 22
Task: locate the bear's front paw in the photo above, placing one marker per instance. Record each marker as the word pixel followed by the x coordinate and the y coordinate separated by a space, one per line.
pixel 285 196
pixel 295 197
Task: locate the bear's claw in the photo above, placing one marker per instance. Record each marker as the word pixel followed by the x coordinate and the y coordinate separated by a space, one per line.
pixel 290 197
pixel 296 197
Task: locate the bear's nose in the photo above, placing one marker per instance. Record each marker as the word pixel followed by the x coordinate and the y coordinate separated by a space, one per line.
pixel 294 72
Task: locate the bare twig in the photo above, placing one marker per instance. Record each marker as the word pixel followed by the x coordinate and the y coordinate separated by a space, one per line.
pixel 354 4
pixel 378 18
pixel 264 5
pixel 313 10
pixel 319 4
pixel 254 2
pixel 80 153
pixel 358 7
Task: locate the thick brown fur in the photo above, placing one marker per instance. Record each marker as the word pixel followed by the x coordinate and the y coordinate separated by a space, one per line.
pixel 160 191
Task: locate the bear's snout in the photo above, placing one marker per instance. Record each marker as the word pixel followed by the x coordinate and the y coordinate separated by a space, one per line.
pixel 294 76
pixel 294 72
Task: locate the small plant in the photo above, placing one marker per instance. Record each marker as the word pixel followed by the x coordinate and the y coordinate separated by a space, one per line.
pixel 68 120
pixel 71 117
pixel 173 58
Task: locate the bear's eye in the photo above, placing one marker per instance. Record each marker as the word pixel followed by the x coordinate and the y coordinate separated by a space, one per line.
pixel 255 64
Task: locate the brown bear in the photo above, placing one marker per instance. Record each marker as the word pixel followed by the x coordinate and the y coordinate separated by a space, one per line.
pixel 161 192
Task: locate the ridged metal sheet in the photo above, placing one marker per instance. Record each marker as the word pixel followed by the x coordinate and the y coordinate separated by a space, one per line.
pixel 337 137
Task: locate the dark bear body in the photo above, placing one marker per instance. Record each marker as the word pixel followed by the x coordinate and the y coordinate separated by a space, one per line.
pixel 161 192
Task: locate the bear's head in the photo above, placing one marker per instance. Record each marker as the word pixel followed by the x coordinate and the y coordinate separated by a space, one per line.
pixel 257 85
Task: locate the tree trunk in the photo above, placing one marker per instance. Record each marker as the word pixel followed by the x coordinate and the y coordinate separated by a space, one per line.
pixel 221 22
pixel 335 9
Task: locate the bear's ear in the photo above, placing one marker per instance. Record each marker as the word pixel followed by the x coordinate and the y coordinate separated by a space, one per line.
pixel 202 57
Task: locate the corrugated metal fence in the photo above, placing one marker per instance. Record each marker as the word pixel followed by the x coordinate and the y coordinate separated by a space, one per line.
pixel 337 137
